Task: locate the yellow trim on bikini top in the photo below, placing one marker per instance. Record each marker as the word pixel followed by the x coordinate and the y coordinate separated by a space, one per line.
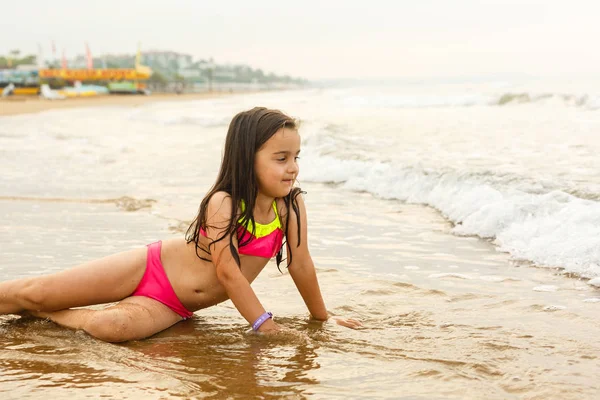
pixel 263 230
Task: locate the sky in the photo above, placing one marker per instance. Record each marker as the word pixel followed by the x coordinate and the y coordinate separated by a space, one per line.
pixel 324 39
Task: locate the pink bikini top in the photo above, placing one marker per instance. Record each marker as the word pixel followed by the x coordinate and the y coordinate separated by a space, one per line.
pixel 267 240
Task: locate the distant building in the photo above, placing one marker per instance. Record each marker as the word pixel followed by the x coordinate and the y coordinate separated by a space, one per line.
pixel 115 61
pixel 167 60
pixel 196 71
pixel 173 66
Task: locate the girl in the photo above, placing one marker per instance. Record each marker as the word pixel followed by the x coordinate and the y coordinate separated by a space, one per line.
pixel 240 225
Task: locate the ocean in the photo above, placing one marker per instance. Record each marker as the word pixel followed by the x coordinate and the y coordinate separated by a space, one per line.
pixel 459 221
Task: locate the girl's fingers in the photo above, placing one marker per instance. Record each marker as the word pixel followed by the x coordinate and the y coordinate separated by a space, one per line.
pixel 348 323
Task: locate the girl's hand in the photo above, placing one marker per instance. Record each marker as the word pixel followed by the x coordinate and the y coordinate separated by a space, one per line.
pixel 281 333
pixel 269 326
pixel 347 322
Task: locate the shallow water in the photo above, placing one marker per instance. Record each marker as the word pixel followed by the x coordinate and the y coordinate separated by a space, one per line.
pixel 445 316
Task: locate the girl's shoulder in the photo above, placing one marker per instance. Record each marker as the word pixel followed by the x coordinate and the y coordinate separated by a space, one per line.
pixel 220 199
pixel 281 207
pixel 220 203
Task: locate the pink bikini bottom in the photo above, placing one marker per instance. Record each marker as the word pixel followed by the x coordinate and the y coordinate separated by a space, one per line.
pixel 156 285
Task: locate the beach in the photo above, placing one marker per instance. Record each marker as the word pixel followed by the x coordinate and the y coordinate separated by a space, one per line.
pixel 463 234
pixel 16 105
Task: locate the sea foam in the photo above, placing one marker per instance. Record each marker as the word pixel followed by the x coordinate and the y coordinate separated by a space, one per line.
pixel 415 100
pixel 553 229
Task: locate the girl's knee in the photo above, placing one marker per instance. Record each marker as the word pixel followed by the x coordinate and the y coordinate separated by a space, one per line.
pixel 110 326
pixel 32 294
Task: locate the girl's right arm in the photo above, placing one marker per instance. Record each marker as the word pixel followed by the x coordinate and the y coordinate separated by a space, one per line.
pixel 228 272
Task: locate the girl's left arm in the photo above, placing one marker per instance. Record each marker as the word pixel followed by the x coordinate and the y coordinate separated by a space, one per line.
pixel 302 268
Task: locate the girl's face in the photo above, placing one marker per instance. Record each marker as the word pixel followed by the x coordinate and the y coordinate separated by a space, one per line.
pixel 276 163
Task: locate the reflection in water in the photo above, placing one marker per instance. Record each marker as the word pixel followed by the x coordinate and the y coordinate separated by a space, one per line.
pixel 192 358
pixel 436 339
pixel 220 360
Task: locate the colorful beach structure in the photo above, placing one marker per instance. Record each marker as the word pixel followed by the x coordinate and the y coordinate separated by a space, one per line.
pixel 28 82
pixel 84 82
pixel 119 80
pixel 22 81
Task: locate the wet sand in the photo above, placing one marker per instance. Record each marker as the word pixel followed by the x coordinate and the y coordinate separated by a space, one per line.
pixel 444 316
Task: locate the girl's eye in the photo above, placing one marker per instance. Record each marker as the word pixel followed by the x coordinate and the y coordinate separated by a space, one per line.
pixel 281 159
pixel 296 158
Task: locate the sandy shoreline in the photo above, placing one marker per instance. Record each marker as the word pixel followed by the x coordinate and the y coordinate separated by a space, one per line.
pixel 27 105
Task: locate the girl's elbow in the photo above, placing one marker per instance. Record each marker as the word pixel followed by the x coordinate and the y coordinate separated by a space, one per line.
pixel 302 264
pixel 226 274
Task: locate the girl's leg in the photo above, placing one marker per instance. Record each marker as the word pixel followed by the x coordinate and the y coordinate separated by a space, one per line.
pixel 106 280
pixel 133 318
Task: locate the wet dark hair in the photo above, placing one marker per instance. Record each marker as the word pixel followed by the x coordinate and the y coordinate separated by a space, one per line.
pixel 248 132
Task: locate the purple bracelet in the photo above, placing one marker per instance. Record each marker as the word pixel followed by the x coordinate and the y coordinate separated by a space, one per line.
pixel 261 320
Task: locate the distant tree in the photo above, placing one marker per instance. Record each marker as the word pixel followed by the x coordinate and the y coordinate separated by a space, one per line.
pixel 27 60
pixel 158 78
pixel 13 59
